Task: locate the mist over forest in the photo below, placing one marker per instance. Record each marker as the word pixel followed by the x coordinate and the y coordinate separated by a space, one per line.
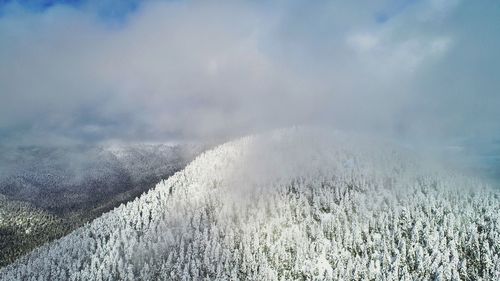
pixel 249 140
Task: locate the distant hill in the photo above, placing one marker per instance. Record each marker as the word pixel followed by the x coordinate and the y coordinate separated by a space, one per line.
pixel 297 204
pixel 64 187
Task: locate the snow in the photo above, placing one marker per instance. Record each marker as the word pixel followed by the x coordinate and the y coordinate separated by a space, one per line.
pixel 298 204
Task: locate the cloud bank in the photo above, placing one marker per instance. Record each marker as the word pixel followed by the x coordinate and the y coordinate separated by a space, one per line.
pixel 173 70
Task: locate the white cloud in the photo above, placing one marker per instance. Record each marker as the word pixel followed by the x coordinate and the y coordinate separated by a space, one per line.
pixel 363 42
pixel 201 69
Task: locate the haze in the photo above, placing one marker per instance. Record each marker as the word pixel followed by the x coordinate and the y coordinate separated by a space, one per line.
pixel 142 71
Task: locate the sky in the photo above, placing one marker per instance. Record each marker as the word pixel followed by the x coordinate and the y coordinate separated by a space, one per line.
pixel 76 71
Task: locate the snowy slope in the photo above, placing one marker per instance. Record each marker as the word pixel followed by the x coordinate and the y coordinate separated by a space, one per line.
pixel 24 227
pixel 71 178
pixel 298 204
pixel 48 191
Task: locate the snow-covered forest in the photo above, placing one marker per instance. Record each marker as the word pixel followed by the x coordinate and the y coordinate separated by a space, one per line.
pixel 298 204
pixel 47 191
pixel 24 227
pixel 62 179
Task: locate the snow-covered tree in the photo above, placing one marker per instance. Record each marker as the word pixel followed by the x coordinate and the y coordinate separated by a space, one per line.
pixel 290 205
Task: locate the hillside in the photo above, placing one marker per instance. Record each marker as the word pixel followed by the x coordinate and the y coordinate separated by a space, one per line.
pixel 45 192
pixel 65 179
pixel 24 227
pixel 289 205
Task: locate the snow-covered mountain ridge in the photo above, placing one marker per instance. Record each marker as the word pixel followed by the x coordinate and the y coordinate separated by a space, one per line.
pixel 299 204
